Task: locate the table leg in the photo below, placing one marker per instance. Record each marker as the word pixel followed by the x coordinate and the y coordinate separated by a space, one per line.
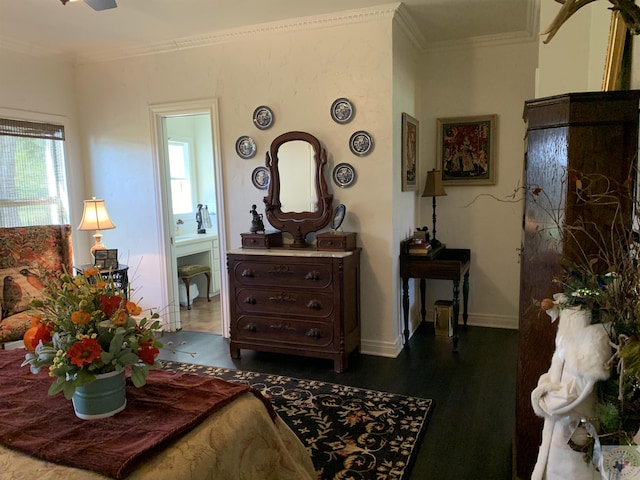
pixel 405 307
pixel 423 301
pixel 456 312
pixel 465 298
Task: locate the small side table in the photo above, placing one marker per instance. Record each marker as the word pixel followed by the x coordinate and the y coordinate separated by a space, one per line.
pixel 120 275
pixel 445 264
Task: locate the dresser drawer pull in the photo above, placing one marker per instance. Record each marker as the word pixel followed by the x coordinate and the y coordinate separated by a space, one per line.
pixel 248 273
pixel 281 326
pixel 312 275
pixel 250 300
pixel 283 297
pixel 314 305
pixel 314 333
pixel 250 327
pixel 280 269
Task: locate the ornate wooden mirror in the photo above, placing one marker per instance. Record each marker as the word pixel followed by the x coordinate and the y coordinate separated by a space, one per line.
pixel 298 201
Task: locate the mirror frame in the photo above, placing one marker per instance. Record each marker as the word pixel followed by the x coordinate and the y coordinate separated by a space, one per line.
pixel 298 224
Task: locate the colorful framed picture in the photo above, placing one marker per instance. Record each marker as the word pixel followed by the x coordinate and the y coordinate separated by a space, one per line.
pixel 410 154
pixel 466 150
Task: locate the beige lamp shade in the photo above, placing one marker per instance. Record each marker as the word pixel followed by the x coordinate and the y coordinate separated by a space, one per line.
pixel 95 217
pixel 434 187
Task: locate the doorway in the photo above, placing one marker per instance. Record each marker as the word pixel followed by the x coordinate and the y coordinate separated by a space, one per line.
pixel 191 197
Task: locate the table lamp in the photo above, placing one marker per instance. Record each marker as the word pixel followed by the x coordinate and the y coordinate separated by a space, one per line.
pixel 95 217
pixel 434 188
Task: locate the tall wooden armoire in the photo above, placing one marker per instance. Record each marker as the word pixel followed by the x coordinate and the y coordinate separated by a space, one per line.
pixel 580 132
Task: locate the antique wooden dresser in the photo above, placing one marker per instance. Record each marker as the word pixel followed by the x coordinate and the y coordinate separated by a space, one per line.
pixel 295 301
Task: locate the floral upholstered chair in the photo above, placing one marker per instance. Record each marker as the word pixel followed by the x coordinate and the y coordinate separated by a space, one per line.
pixel 28 255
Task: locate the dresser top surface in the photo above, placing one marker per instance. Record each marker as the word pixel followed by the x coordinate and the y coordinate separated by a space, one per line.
pixel 289 252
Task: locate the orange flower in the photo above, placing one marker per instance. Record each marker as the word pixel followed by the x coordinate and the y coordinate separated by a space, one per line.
pixel 84 352
pixel 133 309
pixel 91 272
pixel 80 317
pixel 121 318
pixel 35 334
pixel 101 284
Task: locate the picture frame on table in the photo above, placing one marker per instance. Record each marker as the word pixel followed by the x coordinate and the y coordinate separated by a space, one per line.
pixel 466 150
pixel 410 152
pixel 106 259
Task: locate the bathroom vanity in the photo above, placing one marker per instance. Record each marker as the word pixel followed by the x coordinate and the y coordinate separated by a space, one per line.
pixel 201 249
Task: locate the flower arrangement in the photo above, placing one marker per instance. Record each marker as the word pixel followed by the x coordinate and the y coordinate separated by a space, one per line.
pixel 87 327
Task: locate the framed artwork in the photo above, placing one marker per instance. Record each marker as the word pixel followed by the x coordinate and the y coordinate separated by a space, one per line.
pixel 106 259
pixel 410 145
pixel 466 150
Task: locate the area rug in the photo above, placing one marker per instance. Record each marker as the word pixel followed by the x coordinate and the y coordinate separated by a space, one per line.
pixel 351 433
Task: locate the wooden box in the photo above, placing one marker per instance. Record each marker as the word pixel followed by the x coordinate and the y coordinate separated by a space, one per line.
pixel 336 241
pixel 261 240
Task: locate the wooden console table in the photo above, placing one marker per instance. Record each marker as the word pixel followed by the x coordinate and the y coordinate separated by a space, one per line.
pixel 444 264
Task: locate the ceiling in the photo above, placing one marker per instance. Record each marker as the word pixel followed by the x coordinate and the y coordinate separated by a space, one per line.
pixel 78 31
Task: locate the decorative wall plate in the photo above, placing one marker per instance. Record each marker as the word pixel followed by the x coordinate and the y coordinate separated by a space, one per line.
pixel 245 147
pixel 342 110
pixel 361 143
pixel 338 216
pixel 263 117
pixel 344 175
pixel 260 178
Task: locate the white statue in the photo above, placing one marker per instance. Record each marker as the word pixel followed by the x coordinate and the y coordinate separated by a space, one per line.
pixel 565 394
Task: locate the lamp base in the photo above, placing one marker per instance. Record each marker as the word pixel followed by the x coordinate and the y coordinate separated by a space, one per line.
pixel 435 243
pixel 98 245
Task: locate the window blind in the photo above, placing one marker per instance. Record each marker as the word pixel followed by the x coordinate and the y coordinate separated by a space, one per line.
pixel 33 186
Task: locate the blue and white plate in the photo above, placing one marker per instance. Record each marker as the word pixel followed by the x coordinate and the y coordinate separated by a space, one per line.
pixel 245 147
pixel 263 117
pixel 344 175
pixel 260 178
pixel 342 110
pixel 361 143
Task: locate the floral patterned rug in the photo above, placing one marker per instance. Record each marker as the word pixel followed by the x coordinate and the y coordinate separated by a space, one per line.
pixel 351 433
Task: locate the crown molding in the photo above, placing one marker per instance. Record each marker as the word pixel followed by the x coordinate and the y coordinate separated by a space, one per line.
pixel 26 48
pixel 530 34
pixel 348 17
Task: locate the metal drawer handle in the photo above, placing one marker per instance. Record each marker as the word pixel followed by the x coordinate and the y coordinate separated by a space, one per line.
pixel 247 273
pixel 250 300
pixel 314 305
pixel 312 275
pixel 250 327
pixel 314 333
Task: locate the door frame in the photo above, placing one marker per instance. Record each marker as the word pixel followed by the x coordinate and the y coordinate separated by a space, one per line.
pixel 158 112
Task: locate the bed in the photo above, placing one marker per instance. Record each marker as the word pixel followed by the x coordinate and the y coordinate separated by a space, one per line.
pixel 243 439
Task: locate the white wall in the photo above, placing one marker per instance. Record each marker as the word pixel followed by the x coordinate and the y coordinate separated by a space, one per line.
pixel 298 75
pixel 481 80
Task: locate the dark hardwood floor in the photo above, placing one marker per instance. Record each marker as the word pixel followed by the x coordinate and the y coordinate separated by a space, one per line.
pixel 471 427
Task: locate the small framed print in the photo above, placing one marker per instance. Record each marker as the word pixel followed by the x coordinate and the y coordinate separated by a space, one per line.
pixel 466 150
pixel 106 259
pixel 410 145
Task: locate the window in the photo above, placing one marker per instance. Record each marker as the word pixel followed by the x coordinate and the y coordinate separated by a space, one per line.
pixel 181 185
pixel 33 186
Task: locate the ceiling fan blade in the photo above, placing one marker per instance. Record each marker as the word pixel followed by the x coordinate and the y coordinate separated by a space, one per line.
pixel 101 4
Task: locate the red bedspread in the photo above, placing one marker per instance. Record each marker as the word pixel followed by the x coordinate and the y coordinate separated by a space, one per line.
pixel 46 427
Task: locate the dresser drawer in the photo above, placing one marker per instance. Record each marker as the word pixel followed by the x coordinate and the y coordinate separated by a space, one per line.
pixel 282 331
pixel 283 272
pixel 312 304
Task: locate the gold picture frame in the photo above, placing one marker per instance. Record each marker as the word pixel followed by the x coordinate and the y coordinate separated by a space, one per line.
pixel 466 150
